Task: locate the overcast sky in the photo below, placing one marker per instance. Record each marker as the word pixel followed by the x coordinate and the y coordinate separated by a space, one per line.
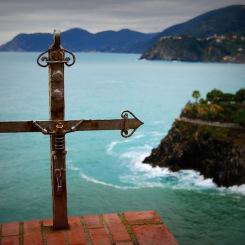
pixel 27 16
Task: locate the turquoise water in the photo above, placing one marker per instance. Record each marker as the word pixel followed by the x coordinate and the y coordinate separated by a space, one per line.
pixel 105 173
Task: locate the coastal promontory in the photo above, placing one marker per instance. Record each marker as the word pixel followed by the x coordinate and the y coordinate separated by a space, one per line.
pixel 209 137
pixel 223 48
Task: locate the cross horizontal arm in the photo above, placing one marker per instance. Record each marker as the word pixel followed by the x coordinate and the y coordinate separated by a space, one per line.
pixel 86 125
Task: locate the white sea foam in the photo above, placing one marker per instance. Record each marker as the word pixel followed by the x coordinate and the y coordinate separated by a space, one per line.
pixel 110 147
pixel 234 189
pixel 147 176
pixel 140 175
pixel 71 166
pixel 113 144
pixel 95 181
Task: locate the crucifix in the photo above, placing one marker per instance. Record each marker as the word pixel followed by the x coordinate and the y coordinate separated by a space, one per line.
pixel 57 127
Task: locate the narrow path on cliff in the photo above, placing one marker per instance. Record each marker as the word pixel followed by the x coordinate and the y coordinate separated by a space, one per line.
pixel 209 123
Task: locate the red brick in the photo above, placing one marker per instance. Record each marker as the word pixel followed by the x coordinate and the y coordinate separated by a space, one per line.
pixel 33 238
pixel 93 221
pixel 75 223
pixel 142 217
pixel 117 229
pixel 32 233
pixel 124 243
pixel 11 240
pixel 10 229
pixel 99 236
pixel 154 235
pixel 76 237
pixel 32 226
pixel 48 222
pixel 56 238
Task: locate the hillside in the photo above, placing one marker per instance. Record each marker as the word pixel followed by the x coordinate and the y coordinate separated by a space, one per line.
pixel 224 48
pixel 195 40
pixel 76 39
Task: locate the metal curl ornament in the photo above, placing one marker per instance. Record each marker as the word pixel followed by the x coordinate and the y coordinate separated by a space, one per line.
pixel 43 61
pixel 124 132
pixel 68 59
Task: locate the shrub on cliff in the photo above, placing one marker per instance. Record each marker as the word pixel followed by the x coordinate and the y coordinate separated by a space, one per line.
pixel 215 95
pixel 239 117
pixel 219 106
pixel 240 95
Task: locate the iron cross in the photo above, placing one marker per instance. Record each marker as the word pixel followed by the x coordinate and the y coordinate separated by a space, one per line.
pixel 57 127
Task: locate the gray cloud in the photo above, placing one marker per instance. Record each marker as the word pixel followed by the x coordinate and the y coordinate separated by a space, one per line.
pixel 97 15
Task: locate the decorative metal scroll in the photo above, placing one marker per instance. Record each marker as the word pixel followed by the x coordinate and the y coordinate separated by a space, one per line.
pixel 124 132
pixel 43 60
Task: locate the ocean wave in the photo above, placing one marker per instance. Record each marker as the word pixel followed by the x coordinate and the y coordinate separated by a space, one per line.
pixel 100 182
pixel 144 185
pixel 113 144
pixel 71 166
pixel 110 147
pixel 146 175
pixel 161 177
pixel 140 175
pixel 96 181
pixel 237 189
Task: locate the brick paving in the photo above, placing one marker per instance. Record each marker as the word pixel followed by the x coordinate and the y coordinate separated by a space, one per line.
pixel 129 228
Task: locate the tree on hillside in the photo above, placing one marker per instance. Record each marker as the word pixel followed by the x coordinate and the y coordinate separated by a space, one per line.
pixel 196 95
pixel 240 95
pixel 215 95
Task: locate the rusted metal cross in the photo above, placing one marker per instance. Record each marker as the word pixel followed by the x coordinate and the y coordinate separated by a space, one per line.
pixel 57 127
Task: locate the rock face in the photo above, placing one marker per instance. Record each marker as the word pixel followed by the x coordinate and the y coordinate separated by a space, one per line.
pixel 217 153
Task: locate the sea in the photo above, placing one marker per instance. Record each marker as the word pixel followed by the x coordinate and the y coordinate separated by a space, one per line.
pixel 105 173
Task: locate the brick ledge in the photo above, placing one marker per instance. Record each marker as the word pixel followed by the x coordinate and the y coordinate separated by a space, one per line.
pixel 128 228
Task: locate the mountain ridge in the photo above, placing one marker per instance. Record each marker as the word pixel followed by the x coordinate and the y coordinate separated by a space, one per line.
pixel 226 20
pixel 78 39
pixel 201 26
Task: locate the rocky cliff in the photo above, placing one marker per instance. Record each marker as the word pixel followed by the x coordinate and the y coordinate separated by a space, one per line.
pixel 216 152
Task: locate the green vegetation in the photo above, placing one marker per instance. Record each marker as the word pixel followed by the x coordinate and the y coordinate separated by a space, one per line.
pixel 217 106
pixel 196 95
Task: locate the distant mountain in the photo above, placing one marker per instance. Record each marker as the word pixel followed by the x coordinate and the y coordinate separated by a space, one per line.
pixel 28 42
pixel 226 20
pixel 191 40
pixel 81 40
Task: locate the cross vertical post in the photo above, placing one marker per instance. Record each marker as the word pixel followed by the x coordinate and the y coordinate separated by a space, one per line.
pixel 57 142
